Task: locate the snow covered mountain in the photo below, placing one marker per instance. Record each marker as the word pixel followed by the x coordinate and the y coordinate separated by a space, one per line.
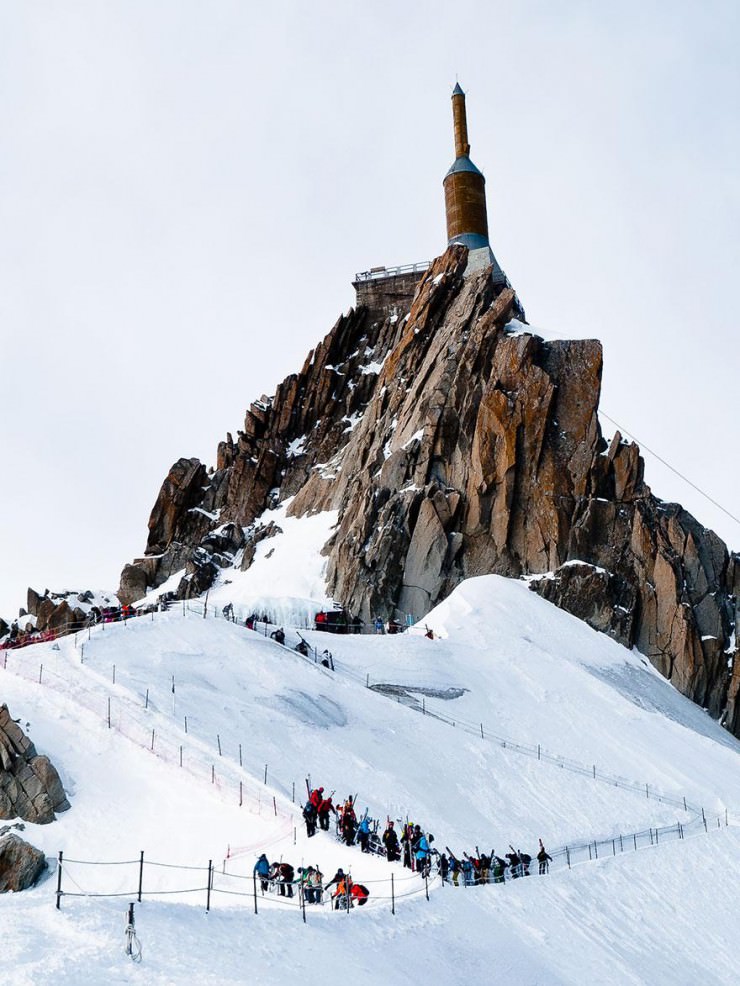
pixel 450 441
pixel 187 737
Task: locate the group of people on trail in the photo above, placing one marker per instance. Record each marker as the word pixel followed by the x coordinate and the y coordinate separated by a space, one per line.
pixel 490 868
pixel 20 637
pixel 413 847
pixel 347 892
pixel 303 647
pixel 309 881
pixel 413 843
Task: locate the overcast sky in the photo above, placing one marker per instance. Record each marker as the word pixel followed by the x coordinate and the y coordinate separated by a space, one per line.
pixel 187 190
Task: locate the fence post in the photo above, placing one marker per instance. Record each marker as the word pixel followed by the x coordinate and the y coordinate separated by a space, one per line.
pixel 567 856
pixel 590 857
pixel 265 773
pixel 41 671
pixel 152 741
pixel 393 891
pixel 254 879
pixel 218 740
pixel 181 756
pixel 208 888
pixel 241 798
pixel 596 850
pixel 303 900
pixel 647 791
pixel 213 774
pixel 141 873
pixel 594 771
pixel 59 881
pixel 292 797
pixel 704 819
pixel 656 835
pixel 146 700
pixel 426 885
pixel 114 674
pixel 240 755
pixel 634 836
pixel 186 724
pixel 274 805
pixel 109 713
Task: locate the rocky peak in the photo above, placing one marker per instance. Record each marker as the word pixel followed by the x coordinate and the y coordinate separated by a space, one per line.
pixel 453 442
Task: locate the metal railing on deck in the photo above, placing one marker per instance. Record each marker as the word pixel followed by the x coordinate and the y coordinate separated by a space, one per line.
pixel 377 273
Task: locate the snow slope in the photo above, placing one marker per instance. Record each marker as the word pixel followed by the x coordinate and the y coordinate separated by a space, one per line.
pixel 524 671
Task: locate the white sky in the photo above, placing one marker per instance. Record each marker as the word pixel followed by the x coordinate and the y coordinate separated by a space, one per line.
pixel 187 189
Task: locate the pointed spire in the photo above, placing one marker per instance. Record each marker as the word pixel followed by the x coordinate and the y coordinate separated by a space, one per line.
pixel 459 116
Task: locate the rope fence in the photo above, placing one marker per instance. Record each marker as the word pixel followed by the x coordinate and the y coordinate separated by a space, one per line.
pixel 382 891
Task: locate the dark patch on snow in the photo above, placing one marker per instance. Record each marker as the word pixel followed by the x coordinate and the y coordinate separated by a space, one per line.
pixel 406 694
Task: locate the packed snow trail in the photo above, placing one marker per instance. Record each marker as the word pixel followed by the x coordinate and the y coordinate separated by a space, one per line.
pixel 538 675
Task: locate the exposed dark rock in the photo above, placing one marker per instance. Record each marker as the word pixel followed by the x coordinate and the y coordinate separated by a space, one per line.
pixel 21 864
pixel 33 601
pixel 133 584
pixel 30 787
pixel 605 601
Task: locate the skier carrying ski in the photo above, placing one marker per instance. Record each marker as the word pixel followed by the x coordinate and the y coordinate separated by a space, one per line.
pixel 316 797
pixel 443 866
pixel 390 841
pixel 422 856
pixel 543 859
pixel 363 833
pixel 324 808
pixel 310 816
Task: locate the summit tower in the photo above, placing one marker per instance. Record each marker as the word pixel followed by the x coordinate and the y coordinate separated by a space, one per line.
pixel 465 198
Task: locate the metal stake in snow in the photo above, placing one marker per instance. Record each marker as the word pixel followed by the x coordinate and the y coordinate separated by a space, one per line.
pixel 133 945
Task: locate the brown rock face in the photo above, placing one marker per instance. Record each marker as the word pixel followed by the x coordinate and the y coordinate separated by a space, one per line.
pixel 30 787
pixel 21 864
pixel 453 446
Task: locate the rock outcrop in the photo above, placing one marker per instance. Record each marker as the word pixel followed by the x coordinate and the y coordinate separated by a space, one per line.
pixel 30 787
pixel 454 443
pixel 21 864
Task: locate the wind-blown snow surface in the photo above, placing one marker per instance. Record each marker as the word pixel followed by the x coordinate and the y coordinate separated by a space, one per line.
pixel 523 670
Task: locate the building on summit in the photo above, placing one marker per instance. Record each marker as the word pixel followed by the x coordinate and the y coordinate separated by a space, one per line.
pixel 388 288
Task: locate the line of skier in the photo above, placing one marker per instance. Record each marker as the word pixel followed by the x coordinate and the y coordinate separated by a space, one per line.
pixel 413 847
